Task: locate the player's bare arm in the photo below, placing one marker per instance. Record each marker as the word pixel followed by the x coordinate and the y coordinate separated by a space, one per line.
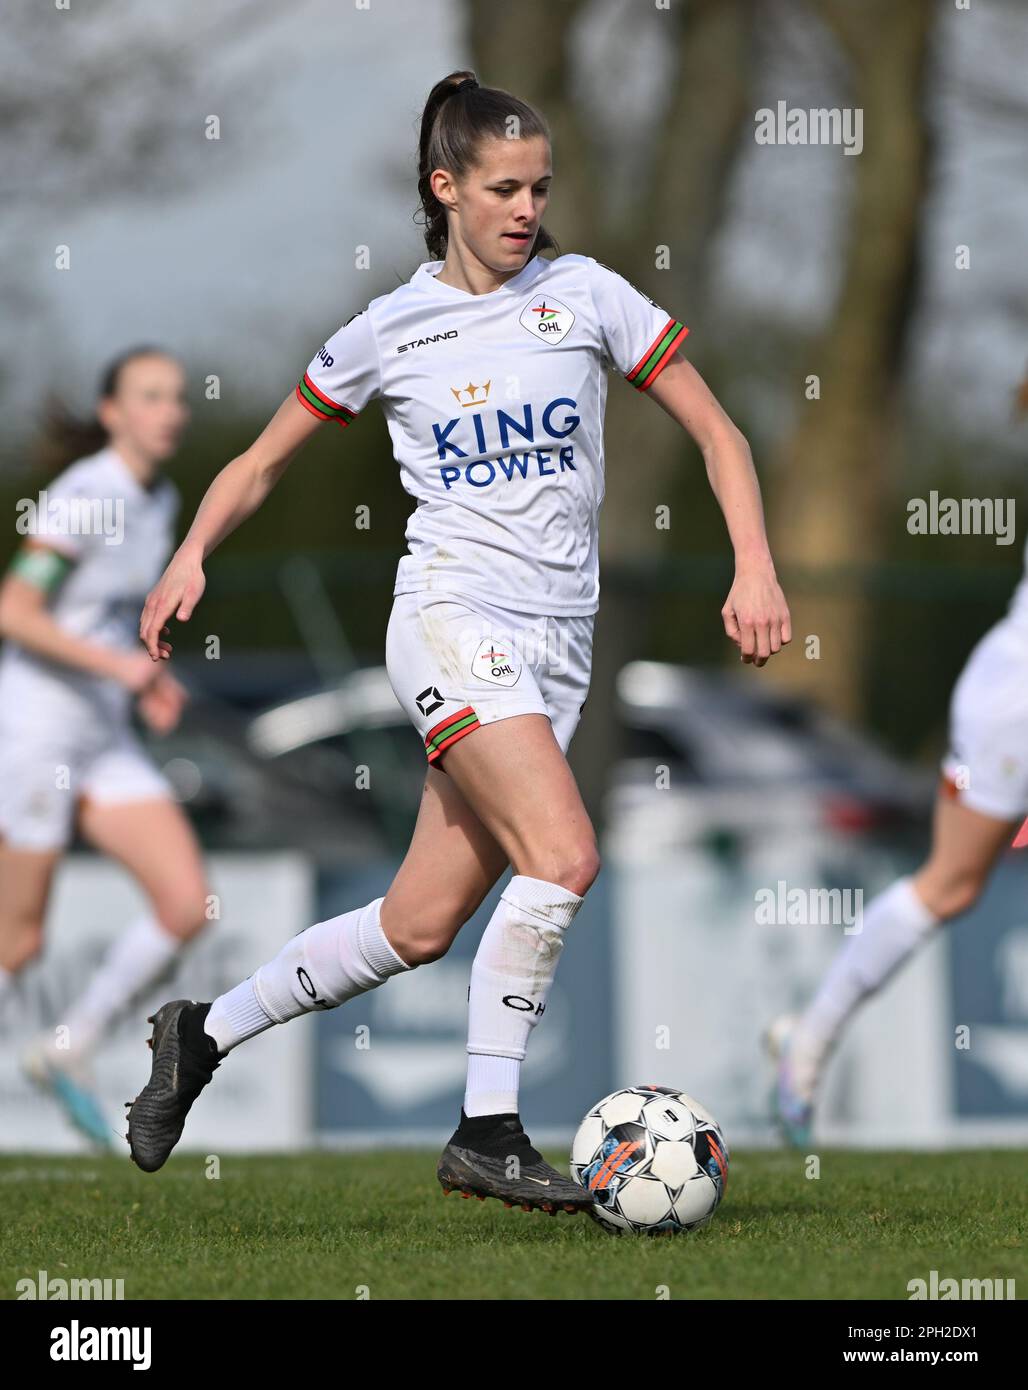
pixel 25 618
pixel 235 494
pixel 755 614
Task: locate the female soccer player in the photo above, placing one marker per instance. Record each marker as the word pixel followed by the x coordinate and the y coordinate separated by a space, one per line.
pixel 982 798
pixel 490 365
pixel 70 672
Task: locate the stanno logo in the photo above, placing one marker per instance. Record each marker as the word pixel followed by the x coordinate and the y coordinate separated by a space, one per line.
pixel 429 700
pixel 432 338
pixel 547 318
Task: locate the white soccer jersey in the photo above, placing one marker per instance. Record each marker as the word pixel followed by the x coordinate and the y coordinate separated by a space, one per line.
pixel 119 535
pixel 1018 610
pixel 495 406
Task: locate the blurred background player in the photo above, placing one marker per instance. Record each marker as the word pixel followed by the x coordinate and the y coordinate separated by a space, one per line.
pixel 71 670
pixel 982 798
pixel 489 644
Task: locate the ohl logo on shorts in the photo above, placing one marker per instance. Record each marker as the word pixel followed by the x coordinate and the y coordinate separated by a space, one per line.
pixel 547 318
pixel 496 662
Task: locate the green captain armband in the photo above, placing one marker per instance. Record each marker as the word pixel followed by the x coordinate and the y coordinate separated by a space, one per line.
pixel 41 567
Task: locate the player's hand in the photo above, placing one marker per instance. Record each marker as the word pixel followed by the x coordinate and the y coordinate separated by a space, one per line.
pixel 161 704
pixel 176 594
pixel 756 615
pixel 134 670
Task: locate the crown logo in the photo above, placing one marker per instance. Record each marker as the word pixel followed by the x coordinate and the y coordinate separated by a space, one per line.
pixel 472 395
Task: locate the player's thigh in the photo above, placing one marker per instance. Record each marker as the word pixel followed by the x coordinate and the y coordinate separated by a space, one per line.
pixel 155 842
pixel 452 863
pixel 965 846
pixel 517 780
pixel 26 876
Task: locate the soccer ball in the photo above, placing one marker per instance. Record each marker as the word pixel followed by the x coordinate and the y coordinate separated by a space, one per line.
pixel 653 1158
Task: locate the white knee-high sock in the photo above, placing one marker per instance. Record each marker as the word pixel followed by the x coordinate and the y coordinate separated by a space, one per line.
pixel 136 959
pixel 895 923
pixel 320 968
pixel 511 977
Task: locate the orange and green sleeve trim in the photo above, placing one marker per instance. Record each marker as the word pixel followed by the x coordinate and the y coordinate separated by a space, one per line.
pixel 657 355
pixel 449 730
pixel 324 407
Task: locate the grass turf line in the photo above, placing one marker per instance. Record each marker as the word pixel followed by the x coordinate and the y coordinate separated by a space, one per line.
pixel 329 1225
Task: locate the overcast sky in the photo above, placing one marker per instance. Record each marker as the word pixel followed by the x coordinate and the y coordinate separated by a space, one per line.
pixel 249 266
pixel 246 269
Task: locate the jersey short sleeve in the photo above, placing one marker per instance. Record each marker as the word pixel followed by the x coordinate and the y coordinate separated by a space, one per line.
pixel 344 375
pixel 57 517
pixel 639 337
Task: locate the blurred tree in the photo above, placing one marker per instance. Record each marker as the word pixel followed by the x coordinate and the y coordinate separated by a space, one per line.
pixel 105 101
pixel 669 174
pixel 831 470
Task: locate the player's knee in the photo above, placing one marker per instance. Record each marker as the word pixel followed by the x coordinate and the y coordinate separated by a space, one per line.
pixel 24 936
pixel 428 936
pixel 186 914
pixel 954 894
pixel 584 871
pixel 421 950
pixel 422 946
pixel 574 867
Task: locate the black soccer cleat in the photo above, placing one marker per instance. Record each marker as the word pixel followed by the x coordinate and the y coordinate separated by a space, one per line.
pixel 479 1158
pixel 184 1060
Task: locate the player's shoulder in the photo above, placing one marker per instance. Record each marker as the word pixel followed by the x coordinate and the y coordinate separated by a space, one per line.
pixel 358 332
pixel 396 300
pixel 101 474
pixel 571 275
pixel 77 485
pixel 570 265
pixel 611 288
pixel 580 270
pixel 569 261
pixel 381 304
pixel 80 476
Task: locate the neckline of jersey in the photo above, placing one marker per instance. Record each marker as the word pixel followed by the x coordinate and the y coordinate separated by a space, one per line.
pixel 424 278
pixel 141 488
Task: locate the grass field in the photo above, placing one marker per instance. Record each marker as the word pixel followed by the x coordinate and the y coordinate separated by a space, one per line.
pixel 330 1226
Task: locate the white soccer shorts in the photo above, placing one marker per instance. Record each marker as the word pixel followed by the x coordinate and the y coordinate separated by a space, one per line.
pixel 456 663
pixel 987 761
pixel 44 776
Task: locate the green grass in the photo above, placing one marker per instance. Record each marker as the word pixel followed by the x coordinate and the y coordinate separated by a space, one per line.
pixel 328 1226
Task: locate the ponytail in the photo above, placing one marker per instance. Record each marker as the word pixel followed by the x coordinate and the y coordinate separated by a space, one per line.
pixel 66 436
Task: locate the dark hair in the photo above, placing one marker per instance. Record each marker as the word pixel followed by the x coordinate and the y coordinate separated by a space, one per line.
pixel 458 114
pixel 66 436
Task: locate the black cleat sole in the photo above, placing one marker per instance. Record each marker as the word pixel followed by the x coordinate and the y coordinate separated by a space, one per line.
pixel 455 1176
